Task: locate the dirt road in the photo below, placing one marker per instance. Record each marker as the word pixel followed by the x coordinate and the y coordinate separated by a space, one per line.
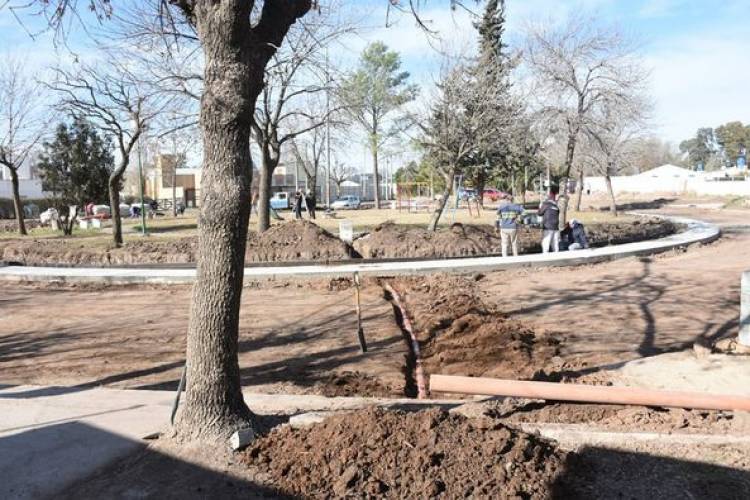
pixel 617 311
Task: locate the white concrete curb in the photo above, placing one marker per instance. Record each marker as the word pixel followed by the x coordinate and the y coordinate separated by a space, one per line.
pixel 696 232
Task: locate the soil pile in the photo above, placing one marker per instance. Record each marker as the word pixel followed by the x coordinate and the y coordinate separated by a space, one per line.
pixel 617 417
pixel 461 335
pixel 380 453
pixel 390 240
pixel 354 383
pixel 75 252
pixel 298 240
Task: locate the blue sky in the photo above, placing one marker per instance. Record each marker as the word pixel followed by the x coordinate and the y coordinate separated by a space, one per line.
pixel 697 50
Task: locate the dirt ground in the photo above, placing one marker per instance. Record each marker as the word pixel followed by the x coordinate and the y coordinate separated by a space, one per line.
pixel 460 240
pixel 301 338
pixel 304 241
pixel 294 339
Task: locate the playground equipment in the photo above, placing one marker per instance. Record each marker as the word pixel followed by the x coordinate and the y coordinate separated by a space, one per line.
pixel 413 196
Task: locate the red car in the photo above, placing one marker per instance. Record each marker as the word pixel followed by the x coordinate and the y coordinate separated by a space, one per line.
pixel 493 194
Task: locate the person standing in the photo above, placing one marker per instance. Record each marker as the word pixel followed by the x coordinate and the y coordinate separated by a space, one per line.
pixel 550 213
pixel 508 214
pixel 310 204
pixel 298 205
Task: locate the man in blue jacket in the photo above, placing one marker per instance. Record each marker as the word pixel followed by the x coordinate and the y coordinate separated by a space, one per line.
pixel 508 214
pixel 550 213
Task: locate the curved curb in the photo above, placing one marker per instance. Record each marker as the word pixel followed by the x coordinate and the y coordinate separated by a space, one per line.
pixel 696 232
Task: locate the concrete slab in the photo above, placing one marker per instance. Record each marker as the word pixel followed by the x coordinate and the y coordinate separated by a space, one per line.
pixel 696 232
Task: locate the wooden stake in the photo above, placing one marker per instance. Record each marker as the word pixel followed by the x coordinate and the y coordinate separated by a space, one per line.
pixel 360 331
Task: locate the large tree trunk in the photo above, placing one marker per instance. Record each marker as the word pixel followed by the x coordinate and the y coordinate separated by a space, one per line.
pixel 579 190
pixel 442 202
pixel 481 181
pixel 612 203
pixel 214 406
pixel 17 206
pixel 114 204
pixel 376 176
pixel 264 192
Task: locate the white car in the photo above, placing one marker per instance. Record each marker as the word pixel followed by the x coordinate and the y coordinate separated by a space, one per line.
pixel 346 202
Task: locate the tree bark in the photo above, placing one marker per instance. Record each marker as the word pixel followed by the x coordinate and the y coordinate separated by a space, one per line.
pixel 579 190
pixel 235 54
pixel 442 202
pixel 481 181
pixel 612 203
pixel 114 203
pixel 267 166
pixel 376 176
pixel 17 206
pixel 563 200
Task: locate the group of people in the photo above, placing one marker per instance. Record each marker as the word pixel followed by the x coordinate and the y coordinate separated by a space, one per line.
pixel 304 200
pixel 572 237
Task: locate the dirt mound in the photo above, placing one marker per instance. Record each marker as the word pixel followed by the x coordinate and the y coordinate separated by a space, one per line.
pixel 460 334
pixel 298 240
pixel 380 453
pixel 615 417
pixel 391 240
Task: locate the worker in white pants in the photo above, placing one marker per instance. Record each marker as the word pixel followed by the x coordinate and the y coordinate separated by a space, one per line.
pixel 507 222
pixel 550 213
pixel 550 237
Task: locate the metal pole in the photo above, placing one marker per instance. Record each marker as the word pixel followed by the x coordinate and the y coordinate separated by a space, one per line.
pixel 140 176
pixel 328 134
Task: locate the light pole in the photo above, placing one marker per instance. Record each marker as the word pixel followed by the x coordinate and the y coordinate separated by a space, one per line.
pixel 328 134
pixel 140 185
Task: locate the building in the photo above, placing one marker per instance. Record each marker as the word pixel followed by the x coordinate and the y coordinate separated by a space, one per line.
pixel 30 185
pixel 671 179
pixel 165 174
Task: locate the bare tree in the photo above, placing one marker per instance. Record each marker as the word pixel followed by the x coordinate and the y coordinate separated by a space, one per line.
pixel 340 172
pixel 289 105
pixel 457 126
pixel 308 152
pixel 110 96
pixel 613 141
pixel 21 124
pixel 578 68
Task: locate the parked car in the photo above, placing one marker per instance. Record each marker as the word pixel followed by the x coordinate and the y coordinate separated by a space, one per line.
pixel 493 194
pixel 346 202
pixel 280 201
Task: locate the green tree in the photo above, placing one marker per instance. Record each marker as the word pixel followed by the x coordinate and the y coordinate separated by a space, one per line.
pixel 75 166
pixel 732 137
pixel 373 94
pixel 491 71
pixel 701 149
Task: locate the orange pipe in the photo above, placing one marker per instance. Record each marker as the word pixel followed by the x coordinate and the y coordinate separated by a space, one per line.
pixel 586 393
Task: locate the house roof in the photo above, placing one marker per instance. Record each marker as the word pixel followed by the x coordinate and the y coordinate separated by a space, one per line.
pixel 668 170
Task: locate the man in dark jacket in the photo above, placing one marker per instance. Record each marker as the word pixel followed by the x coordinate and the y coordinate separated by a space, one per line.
pixel 550 213
pixel 573 237
pixel 310 204
pixel 298 205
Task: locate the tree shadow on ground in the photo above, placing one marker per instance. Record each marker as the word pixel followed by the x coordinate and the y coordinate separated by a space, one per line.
pixel 76 460
pixel 603 473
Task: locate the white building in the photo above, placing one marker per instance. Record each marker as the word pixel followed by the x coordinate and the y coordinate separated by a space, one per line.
pixel 673 180
pixel 30 185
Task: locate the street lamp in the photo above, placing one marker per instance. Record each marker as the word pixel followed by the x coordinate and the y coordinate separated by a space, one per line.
pixel 140 185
